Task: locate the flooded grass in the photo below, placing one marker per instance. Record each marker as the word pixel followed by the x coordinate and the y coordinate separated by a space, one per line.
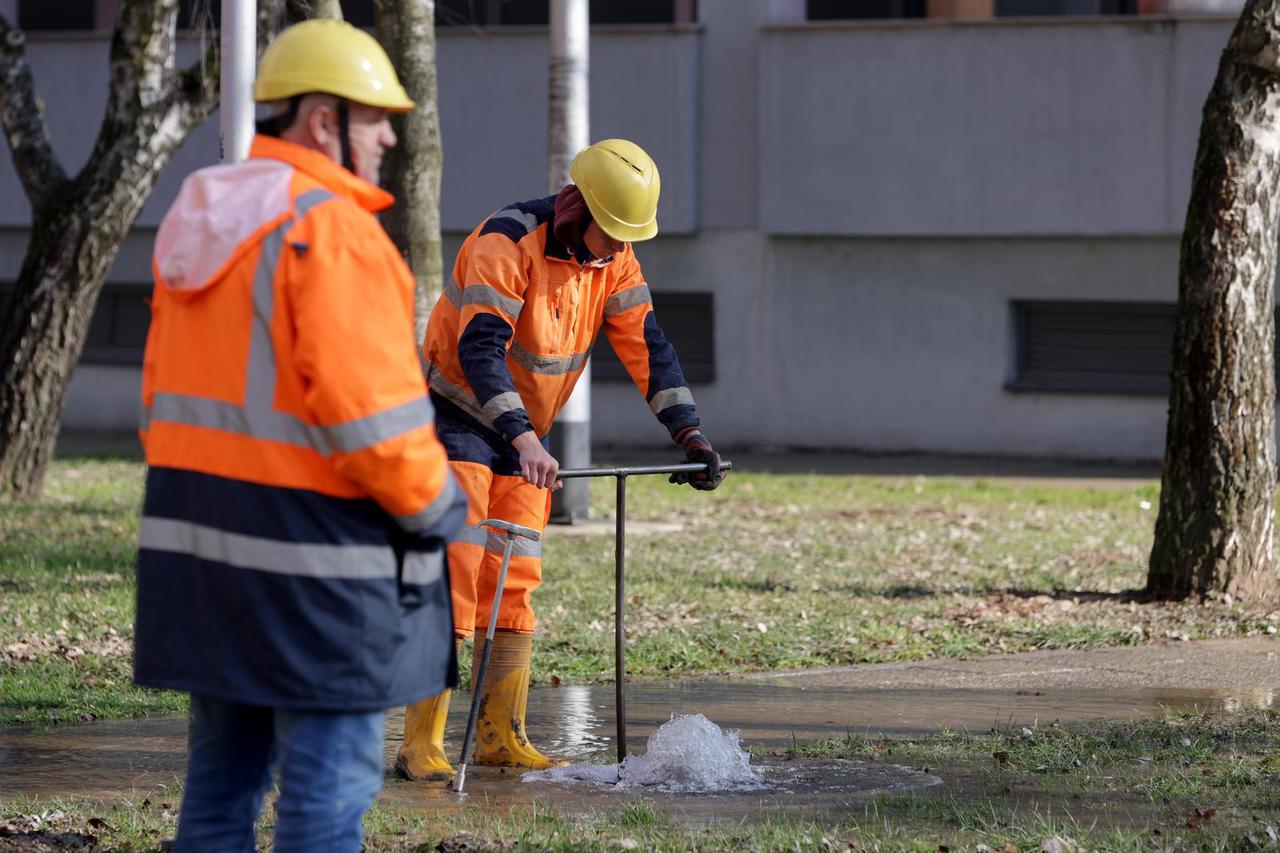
pixel 1182 782
pixel 769 572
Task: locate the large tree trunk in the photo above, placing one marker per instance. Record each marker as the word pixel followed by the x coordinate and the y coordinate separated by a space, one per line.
pixel 1217 500
pixel 79 223
pixel 407 30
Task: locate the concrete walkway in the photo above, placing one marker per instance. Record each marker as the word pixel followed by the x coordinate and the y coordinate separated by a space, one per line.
pixel 108 759
pixel 1251 663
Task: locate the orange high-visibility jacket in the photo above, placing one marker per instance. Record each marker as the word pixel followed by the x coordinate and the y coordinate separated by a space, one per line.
pixel 509 338
pixel 298 500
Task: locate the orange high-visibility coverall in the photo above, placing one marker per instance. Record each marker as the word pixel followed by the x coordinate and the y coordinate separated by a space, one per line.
pixel 298 500
pixel 505 345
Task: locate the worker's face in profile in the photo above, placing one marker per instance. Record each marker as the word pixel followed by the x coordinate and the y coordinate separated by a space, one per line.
pixel 600 244
pixel 371 137
pixel 369 127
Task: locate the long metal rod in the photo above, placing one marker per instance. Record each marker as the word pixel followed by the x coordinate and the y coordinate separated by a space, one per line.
pixel 690 467
pixel 477 678
pixel 619 621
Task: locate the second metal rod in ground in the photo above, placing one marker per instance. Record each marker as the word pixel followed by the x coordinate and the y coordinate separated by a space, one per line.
pixel 619 623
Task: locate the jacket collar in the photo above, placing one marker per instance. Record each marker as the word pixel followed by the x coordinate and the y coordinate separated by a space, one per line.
pixel 329 174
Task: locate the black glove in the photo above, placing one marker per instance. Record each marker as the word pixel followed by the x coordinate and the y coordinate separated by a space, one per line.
pixel 698 449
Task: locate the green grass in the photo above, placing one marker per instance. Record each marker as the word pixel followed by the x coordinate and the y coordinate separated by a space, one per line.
pixel 67 598
pixel 768 572
pixel 1179 783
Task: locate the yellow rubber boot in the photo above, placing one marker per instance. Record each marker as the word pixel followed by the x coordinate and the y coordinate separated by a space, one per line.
pixel 422 754
pixel 500 736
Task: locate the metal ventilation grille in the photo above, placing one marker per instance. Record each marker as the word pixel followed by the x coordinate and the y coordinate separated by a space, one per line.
pixel 1105 347
pixel 56 14
pixel 118 330
pixel 687 320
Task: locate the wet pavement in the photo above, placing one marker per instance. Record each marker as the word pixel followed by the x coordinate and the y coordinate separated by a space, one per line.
pixel 110 759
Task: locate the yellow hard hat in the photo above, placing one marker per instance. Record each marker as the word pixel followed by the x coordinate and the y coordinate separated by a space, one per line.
pixel 329 56
pixel 620 185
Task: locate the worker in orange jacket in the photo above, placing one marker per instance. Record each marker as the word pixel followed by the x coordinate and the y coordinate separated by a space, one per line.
pixel 291 563
pixel 532 287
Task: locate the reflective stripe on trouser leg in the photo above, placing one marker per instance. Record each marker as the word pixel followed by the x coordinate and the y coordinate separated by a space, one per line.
pixel 516 500
pixel 466 552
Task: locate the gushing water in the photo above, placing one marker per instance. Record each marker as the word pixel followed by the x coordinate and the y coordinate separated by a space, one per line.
pixel 688 754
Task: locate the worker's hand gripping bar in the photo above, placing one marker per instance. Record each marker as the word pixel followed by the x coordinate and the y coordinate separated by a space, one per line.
pixel 510 532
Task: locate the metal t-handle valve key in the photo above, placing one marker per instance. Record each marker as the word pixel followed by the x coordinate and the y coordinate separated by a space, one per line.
pixel 510 532
pixel 620 572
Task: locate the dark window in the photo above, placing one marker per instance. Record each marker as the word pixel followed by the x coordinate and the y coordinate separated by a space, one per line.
pixel 358 12
pixel 199 14
pixel 1053 8
pixel 118 328
pixel 1115 347
pixel 485 13
pixel 55 14
pixel 687 320
pixel 833 10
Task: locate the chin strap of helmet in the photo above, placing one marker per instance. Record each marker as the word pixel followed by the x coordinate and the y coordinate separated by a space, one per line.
pixel 344 134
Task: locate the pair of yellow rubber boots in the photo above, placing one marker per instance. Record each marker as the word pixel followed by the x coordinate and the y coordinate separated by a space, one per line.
pixel 500 736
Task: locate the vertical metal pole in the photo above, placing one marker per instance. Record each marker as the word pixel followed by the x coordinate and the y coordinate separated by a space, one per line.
pixel 619 620
pixel 239 53
pixel 568 123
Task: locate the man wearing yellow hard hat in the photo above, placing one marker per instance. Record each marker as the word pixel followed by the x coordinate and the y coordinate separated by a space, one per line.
pixel 291 556
pixel 533 285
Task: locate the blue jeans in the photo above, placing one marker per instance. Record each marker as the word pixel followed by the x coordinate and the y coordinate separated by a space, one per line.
pixel 330 768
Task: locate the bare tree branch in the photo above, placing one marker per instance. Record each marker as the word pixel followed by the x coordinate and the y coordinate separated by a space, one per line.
pixel 22 116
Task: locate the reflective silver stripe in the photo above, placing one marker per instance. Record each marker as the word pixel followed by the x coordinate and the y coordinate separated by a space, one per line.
pixel 470 535
pixel 309 199
pixel 528 220
pixel 428 517
pixel 491 541
pixel 423 568
pixel 522 548
pixel 625 300
pixel 681 396
pixel 498 406
pixel 482 294
pixel 550 365
pixel 375 429
pixel 311 560
pixel 256 417
pixel 241 420
pixel 464 400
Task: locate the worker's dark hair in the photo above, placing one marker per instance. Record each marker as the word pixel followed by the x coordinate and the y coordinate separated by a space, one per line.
pixel 276 124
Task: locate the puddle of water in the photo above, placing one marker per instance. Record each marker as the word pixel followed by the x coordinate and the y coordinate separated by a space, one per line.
pixel 113 759
pixel 688 754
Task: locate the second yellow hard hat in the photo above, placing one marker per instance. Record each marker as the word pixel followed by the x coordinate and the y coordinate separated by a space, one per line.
pixel 620 184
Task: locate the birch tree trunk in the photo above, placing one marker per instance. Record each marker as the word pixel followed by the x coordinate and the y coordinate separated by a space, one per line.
pixel 1217 501
pixel 79 222
pixel 407 31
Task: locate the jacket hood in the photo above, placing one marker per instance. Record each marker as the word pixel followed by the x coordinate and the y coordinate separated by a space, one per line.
pixel 220 209
pixel 217 211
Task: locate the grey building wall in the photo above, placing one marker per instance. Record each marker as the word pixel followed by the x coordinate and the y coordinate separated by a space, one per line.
pixel 863 201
